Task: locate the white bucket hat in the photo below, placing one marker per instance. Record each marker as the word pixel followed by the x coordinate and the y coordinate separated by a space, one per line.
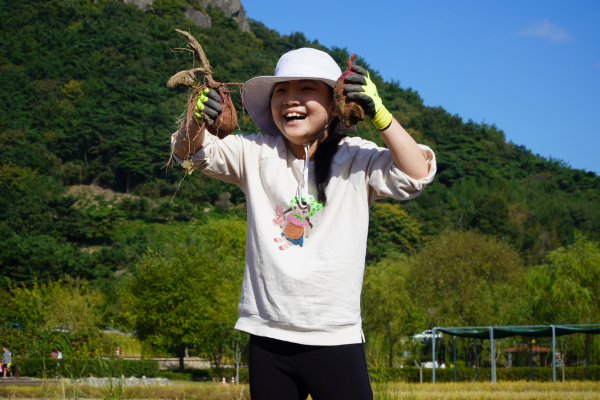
pixel 304 63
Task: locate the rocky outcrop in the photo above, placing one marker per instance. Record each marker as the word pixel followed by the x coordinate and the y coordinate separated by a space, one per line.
pixel 231 8
pixel 197 17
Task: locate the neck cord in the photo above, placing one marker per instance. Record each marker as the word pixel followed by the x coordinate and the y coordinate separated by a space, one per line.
pixel 303 185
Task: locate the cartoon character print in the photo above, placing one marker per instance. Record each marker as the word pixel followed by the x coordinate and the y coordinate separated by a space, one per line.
pixel 295 221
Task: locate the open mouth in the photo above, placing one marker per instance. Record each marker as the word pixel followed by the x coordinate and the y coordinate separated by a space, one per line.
pixel 293 116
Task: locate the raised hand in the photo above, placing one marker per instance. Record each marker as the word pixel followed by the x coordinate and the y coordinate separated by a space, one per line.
pixel 207 106
pixel 362 91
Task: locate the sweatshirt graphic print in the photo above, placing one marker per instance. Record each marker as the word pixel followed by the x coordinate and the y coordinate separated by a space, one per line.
pixel 296 225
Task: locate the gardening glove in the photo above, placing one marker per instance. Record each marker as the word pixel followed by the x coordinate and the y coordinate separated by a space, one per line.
pixel 207 103
pixel 363 92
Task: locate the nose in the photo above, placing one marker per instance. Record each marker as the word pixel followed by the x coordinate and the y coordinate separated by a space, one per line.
pixel 291 102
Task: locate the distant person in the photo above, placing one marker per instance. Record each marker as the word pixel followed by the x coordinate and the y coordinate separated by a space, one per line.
pixel 6 361
pixel 54 354
pixel 443 366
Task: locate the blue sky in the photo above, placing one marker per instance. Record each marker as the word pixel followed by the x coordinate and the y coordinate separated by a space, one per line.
pixel 530 67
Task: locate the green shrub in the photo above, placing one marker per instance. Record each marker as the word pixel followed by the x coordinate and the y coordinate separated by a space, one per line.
pixel 544 374
pixel 540 374
pixel 188 375
pixel 206 374
pixel 75 368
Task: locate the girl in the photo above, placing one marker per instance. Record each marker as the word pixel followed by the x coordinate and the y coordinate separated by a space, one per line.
pixel 301 306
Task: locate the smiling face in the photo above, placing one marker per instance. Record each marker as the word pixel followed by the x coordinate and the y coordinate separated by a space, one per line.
pixel 301 109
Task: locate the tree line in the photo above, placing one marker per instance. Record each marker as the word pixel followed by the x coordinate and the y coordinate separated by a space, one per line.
pixel 185 296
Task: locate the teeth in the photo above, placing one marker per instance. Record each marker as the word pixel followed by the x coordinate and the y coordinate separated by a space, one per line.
pixel 293 114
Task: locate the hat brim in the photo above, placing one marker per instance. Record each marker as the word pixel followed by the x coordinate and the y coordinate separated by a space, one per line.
pixel 257 93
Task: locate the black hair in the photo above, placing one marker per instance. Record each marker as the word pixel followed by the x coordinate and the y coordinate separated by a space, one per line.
pixel 323 159
pixel 324 156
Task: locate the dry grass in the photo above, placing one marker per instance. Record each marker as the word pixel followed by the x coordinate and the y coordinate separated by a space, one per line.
pixel 488 390
pixel 90 194
pixel 389 391
pixel 184 391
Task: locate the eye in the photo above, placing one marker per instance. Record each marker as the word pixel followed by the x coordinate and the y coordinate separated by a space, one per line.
pixel 280 90
pixel 308 88
pixel 295 208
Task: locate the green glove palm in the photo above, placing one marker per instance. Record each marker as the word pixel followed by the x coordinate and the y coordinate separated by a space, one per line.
pixel 207 107
pixel 363 92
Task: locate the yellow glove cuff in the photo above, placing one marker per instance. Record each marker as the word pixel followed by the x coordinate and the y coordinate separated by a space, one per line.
pixel 371 90
pixel 382 119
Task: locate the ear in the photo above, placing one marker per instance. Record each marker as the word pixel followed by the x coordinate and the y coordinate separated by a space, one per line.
pixel 332 112
pixel 331 106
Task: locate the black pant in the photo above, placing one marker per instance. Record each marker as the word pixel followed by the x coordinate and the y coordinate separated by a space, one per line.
pixel 288 371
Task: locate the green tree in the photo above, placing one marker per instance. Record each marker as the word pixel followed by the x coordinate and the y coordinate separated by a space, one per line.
pixel 69 305
pixel 391 230
pixel 188 296
pixel 387 307
pixel 168 7
pixel 227 241
pixel 73 305
pixel 166 301
pixel 566 288
pixel 491 215
pixel 468 279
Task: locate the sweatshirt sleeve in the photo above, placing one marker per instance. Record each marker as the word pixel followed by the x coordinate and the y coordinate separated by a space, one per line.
pixel 220 158
pixel 385 179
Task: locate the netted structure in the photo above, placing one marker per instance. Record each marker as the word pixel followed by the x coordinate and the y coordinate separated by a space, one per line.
pixel 527 331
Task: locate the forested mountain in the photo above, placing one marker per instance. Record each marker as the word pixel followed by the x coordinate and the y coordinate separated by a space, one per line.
pixel 83 101
pixel 85 120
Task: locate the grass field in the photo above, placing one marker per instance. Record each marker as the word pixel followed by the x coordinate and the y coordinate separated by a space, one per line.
pixel 388 391
pixel 495 391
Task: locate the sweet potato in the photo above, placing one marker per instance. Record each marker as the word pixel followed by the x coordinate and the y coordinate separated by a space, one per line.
pixel 348 112
pixel 226 122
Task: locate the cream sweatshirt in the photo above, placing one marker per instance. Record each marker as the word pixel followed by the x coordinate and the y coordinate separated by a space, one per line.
pixel 308 293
